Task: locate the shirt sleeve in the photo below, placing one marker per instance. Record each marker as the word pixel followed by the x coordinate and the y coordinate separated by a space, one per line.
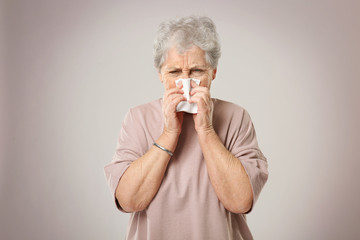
pixel 245 148
pixel 128 149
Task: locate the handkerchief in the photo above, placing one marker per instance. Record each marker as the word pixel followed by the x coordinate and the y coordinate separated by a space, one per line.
pixel 186 106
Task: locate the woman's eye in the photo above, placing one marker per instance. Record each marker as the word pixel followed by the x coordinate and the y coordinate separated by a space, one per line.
pixel 197 70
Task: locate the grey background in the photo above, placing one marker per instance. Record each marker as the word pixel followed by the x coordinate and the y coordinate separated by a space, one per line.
pixel 71 69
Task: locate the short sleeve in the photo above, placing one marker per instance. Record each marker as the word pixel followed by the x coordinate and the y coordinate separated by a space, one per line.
pixel 246 149
pixel 128 149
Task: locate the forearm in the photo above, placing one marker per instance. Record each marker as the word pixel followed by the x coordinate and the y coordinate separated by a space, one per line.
pixel 141 181
pixel 227 174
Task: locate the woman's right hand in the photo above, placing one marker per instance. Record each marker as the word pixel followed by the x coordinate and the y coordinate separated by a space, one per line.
pixel 172 119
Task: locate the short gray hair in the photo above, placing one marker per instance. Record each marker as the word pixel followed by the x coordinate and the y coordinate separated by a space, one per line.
pixel 185 32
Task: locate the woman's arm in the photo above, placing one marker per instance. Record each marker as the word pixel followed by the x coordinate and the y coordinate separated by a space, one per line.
pixel 141 181
pixel 227 175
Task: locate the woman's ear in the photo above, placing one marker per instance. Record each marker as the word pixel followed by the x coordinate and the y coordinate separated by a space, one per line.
pixel 214 74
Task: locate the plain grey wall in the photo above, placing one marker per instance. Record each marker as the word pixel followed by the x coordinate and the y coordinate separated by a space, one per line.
pixel 74 67
pixel 3 97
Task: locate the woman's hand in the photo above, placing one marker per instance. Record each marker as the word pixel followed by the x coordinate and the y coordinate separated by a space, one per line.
pixel 204 116
pixel 172 119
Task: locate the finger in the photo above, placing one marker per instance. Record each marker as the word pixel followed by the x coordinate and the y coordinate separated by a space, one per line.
pixel 173 91
pixel 195 99
pixel 173 102
pixel 203 105
pixel 178 100
pixel 180 85
pixel 174 97
pixel 200 100
pixel 193 84
pixel 201 95
pixel 177 97
pixel 198 89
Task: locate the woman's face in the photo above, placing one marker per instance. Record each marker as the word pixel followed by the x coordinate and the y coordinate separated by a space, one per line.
pixel 190 64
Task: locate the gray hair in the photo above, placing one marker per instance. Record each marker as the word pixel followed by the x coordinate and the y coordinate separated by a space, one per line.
pixel 185 32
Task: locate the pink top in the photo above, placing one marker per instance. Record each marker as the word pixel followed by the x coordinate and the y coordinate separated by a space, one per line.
pixel 186 206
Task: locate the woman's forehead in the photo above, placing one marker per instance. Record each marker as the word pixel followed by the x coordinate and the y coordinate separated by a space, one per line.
pixel 194 57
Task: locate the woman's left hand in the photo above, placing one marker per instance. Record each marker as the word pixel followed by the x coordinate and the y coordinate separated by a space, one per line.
pixel 203 118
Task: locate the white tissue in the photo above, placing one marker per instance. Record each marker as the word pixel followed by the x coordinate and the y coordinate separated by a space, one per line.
pixel 186 106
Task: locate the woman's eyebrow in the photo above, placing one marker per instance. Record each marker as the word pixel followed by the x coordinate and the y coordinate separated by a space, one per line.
pixel 172 68
pixel 177 68
pixel 198 66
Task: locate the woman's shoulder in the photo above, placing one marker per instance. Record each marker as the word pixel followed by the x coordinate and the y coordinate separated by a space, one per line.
pixel 146 109
pixel 144 106
pixel 223 105
pixel 229 110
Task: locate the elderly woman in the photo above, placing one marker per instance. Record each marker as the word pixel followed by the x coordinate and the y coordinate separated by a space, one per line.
pixel 187 175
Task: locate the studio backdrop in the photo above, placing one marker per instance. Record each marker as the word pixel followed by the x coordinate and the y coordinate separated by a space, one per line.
pixel 70 70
